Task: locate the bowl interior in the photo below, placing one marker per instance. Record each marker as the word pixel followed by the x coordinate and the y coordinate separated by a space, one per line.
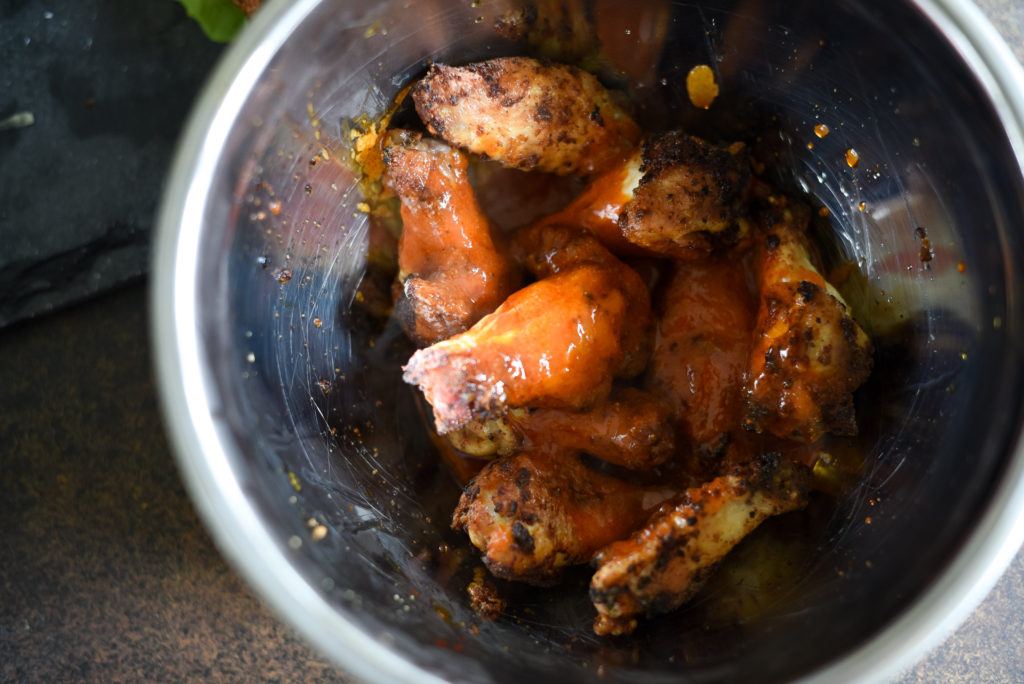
pixel 308 386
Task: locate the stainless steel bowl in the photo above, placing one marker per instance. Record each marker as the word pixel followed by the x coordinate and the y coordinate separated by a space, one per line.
pixel 282 411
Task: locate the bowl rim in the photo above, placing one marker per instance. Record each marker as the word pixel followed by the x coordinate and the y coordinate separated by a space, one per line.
pixel 204 449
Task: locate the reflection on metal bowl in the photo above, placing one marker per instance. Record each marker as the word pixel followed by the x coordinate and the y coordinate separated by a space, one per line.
pixel 288 414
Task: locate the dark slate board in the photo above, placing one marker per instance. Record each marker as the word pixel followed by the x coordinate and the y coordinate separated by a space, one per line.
pixel 110 83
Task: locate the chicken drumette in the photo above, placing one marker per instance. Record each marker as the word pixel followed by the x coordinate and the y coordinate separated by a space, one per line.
pixel 701 349
pixel 557 343
pixel 809 354
pixel 451 273
pixel 666 561
pixel 526 114
pixel 538 511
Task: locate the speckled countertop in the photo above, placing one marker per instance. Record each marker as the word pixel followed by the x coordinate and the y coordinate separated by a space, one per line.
pixel 107 574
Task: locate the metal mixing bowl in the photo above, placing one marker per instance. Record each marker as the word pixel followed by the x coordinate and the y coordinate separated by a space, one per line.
pixel 284 405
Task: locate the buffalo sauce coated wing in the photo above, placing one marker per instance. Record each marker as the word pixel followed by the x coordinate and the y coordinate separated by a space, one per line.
pixel 667 560
pixel 546 249
pixel 526 114
pixel 809 354
pixel 538 511
pixel 450 272
pixel 556 343
pixel 631 428
pixel 701 348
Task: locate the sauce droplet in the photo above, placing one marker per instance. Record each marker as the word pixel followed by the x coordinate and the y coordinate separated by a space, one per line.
pixel 820 130
pixel 961 267
pixel 823 211
pixel 862 206
pixel 701 86
pixel 852 158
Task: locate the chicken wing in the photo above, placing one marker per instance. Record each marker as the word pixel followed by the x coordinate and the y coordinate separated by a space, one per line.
pixel 632 428
pixel 450 271
pixel 809 354
pixel 538 511
pixel 546 249
pixel 702 344
pixel 556 343
pixel 689 198
pixel 526 114
pixel 664 563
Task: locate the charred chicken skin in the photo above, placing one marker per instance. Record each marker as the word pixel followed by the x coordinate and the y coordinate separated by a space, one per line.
pixel 541 510
pixel 702 346
pixel 631 428
pixel 661 566
pixel 688 200
pixel 556 343
pixel 450 271
pixel 809 354
pixel 526 114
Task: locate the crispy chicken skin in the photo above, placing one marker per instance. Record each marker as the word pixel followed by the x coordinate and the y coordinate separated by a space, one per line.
pixel 662 564
pixel 450 271
pixel 702 346
pixel 556 343
pixel 632 429
pixel 526 114
pixel 809 354
pixel 545 249
pixel 689 198
pixel 538 511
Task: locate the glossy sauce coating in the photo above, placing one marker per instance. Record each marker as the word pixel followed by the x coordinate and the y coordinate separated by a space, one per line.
pixel 450 271
pixel 809 353
pixel 556 343
pixel 701 347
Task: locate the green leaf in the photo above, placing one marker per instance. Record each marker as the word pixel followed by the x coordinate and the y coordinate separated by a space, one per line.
pixel 220 19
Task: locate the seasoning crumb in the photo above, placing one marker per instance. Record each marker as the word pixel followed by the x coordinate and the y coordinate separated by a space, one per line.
pixel 483 596
pixel 363 207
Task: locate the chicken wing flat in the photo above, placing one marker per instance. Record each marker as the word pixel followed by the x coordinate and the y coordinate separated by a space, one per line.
pixel 702 346
pixel 809 354
pixel 689 198
pixel 663 564
pixel 546 249
pixel 631 428
pixel 556 343
pixel 538 511
pixel 450 272
pixel 526 114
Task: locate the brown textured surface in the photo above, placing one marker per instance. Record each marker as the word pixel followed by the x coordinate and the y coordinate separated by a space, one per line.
pixel 106 573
